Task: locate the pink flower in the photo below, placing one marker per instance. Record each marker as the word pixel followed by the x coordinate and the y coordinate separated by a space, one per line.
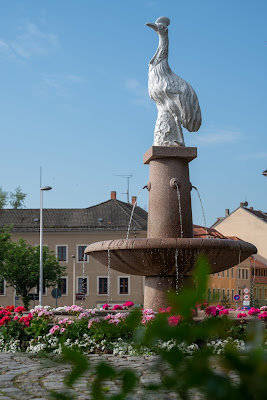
pixel 254 311
pixel 212 311
pixel 62 330
pixel 174 320
pixel 106 306
pixel 263 316
pixel 128 304
pixel 92 321
pixel 54 329
pixel 115 321
pixel 224 312
pixel 241 315
pixel 162 310
pixel 16 317
pixel 117 307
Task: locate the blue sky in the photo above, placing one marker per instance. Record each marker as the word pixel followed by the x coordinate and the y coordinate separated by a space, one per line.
pixel 74 98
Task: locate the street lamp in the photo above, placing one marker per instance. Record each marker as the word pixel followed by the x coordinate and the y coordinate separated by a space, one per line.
pixel 264 173
pixel 41 280
pixel 73 283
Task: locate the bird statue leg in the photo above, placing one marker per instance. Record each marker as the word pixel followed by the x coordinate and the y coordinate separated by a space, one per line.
pixel 168 131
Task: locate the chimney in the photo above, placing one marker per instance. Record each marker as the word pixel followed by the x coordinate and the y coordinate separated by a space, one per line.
pixel 113 195
pixel 227 212
pixel 241 204
pixel 251 208
pixel 134 198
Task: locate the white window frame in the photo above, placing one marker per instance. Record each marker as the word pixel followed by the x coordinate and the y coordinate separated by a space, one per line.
pixel 77 254
pixel 4 294
pixel 102 294
pixel 67 285
pixel 77 283
pixel 129 285
pixel 67 251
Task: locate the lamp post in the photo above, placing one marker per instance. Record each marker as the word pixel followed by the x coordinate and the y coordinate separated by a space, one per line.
pixel 41 280
pixel 264 173
pixel 73 284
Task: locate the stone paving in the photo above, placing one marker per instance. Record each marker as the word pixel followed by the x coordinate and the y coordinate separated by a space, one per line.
pixel 24 376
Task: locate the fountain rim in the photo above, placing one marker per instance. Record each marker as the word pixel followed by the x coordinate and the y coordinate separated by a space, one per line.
pixel 170 243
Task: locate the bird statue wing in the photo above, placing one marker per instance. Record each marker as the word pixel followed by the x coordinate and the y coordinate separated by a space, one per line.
pixel 184 102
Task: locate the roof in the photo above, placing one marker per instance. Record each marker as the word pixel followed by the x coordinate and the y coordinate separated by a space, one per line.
pixel 257 213
pixel 110 215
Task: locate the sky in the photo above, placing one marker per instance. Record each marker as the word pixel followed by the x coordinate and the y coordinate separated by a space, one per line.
pixel 74 98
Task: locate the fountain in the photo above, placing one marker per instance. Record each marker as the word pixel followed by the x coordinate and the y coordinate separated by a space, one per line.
pixel 167 256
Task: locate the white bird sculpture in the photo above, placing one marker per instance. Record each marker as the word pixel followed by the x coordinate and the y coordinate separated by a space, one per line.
pixel 176 100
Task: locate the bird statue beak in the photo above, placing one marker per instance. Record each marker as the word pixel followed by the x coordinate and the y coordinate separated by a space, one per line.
pixel 153 26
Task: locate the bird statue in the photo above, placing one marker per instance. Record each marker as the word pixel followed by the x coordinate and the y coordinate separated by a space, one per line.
pixel 176 100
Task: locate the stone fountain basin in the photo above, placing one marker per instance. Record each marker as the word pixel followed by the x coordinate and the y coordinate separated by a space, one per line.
pixel 157 257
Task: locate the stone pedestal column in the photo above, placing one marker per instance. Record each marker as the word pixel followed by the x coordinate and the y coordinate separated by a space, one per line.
pixel 167 166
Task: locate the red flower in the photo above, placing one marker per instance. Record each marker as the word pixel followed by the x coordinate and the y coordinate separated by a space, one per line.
pixel 20 310
pixel 128 304
pixel 117 307
pixel 174 320
pixel 162 310
pixel 10 308
pixel 106 306
pixel 4 320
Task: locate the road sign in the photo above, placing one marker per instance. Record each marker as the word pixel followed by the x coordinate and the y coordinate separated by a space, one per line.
pixel 246 302
pixel 246 291
pixel 246 297
pixel 236 297
pixel 56 293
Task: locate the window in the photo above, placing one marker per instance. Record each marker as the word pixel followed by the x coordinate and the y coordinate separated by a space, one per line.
pixel 243 273
pixel 124 285
pixel 239 273
pixel 232 271
pixel 62 285
pixel 81 255
pixel 239 292
pixel 227 273
pixel 246 273
pixel 265 293
pixel 213 294
pixel 2 287
pixel 103 285
pixel 223 294
pixel 223 274
pixel 82 285
pixel 255 293
pixel 219 274
pixel 62 253
pixel 232 294
pixel 260 293
pixel 228 294
pixel 219 294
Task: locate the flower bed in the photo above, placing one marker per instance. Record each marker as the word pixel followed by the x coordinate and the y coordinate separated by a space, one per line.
pixel 110 330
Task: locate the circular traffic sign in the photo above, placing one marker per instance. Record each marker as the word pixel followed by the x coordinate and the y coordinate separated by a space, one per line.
pixel 246 290
pixel 246 297
pixel 236 297
pixel 56 293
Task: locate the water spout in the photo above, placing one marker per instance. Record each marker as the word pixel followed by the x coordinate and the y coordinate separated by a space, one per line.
pixel 180 207
pixel 203 213
pixel 131 217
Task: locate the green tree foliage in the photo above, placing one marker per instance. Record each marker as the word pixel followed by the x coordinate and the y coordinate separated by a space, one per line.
pixel 20 264
pixel 3 198
pixel 17 198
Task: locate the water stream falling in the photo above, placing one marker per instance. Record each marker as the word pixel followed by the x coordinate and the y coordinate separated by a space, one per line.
pixel 203 213
pixel 109 279
pixel 131 217
pixel 176 270
pixel 180 208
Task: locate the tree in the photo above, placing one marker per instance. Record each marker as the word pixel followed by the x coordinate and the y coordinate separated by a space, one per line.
pixel 3 198
pixel 17 198
pixel 20 267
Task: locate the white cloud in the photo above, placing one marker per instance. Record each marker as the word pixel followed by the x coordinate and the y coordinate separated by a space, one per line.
pixel 60 84
pixel 30 42
pixel 139 92
pixel 210 137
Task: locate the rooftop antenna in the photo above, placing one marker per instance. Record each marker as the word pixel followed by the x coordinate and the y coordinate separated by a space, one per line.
pixel 128 184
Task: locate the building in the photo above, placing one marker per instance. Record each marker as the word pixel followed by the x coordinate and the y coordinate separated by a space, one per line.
pixel 249 225
pixel 68 232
